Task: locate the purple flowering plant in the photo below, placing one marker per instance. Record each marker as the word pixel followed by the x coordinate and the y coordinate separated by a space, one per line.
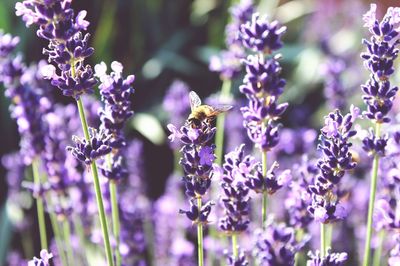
pixel 94 182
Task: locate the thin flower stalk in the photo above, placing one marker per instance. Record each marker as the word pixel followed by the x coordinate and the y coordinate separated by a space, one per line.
pixel 378 95
pixel 39 205
pixel 262 86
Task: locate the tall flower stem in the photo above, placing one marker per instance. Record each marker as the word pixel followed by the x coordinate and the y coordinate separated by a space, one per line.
pixel 58 238
pixel 200 237
pixel 234 246
pixel 323 240
pixel 96 183
pixel 39 205
pixel 378 251
pixel 219 135
pixel 115 220
pixel 264 194
pixel 67 240
pixel 374 179
pixel 329 232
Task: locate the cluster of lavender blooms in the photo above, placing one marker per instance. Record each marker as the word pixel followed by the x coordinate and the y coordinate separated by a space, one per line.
pixel 262 83
pixel 152 233
pixel 197 160
pixel 24 92
pixel 276 245
pixel 336 160
pixel 334 90
pixel 45 257
pixel 68 46
pixel 228 62
pixel 379 60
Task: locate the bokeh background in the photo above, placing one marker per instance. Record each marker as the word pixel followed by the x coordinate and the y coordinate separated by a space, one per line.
pixel 164 40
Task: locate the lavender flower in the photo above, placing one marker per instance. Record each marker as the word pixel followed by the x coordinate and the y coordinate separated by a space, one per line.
pixel 262 85
pixel 176 102
pixel 236 198
pixel 276 245
pixel 198 156
pixel 89 152
pixel 394 256
pixel 228 62
pixel 375 145
pixel 334 89
pixel 336 160
pixel 68 47
pixel 45 256
pixel 115 92
pixel 331 259
pixel 379 58
pixel 24 91
pixel 260 35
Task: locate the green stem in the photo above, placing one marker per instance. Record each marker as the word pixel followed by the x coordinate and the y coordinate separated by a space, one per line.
pixel 378 251
pixel 78 227
pixel 115 220
pixel 96 184
pixel 149 232
pixel 235 251
pixel 220 124
pixel 67 240
pixel 200 237
pixel 264 194
pixel 58 238
pixel 27 245
pixel 39 206
pixel 323 240
pixel 298 258
pixel 329 232
pixel 374 180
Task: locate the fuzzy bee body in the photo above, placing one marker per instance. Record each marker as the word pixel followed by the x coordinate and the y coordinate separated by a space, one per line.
pixel 202 112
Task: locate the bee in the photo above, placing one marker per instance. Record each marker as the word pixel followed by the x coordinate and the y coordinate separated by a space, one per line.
pixel 202 112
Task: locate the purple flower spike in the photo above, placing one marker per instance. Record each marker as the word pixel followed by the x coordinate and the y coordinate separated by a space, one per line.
pixel 197 158
pixel 276 245
pixel 236 194
pixel 335 162
pixel 260 35
pixel 88 152
pixel 45 256
pixel 331 259
pixel 379 60
pixel 68 45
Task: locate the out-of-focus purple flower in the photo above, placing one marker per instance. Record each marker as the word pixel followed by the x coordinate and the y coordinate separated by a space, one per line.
pixel 299 197
pixel 276 245
pixel 68 47
pixel 227 63
pixel 7 44
pixel 260 35
pixel 240 13
pixel 96 148
pixel 236 195
pixel 334 90
pixel 24 90
pixel 176 102
pixel 394 255
pixel 331 259
pixel 336 160
pixel 240 260
pixel 379 57
pixel 45 256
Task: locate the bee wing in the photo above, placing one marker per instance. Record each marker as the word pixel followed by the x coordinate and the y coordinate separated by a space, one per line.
pixel 222 108
pixel 194 100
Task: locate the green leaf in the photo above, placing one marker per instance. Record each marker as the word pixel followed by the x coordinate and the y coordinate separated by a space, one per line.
pixel 150 127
